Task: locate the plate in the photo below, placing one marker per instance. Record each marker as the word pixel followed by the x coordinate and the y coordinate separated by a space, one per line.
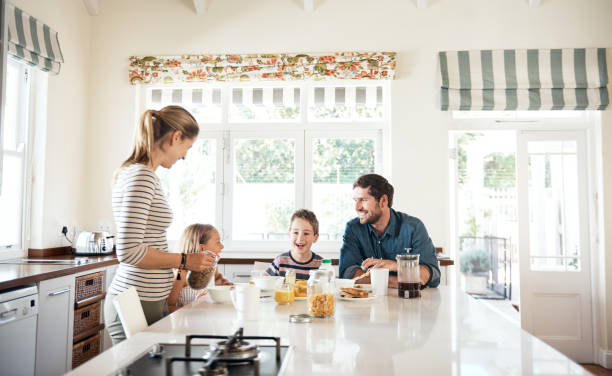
pixel 300 298
pixel 342 297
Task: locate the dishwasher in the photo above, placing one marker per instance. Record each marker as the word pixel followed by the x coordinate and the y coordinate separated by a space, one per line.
pixel 18 317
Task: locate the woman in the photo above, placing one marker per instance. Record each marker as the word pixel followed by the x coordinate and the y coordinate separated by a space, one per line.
pixel 142 216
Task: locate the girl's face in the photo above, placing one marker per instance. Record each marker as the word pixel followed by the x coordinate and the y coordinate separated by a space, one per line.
pixel 214 243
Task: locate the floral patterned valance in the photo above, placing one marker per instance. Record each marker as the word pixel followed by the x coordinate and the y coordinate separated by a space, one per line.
pixel 262 67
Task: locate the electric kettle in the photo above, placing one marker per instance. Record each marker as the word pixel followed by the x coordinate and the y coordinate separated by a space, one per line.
pixel 94 243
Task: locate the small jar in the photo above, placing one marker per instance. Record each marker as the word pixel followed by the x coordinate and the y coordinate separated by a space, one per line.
pixel 321 301
pixel 284 294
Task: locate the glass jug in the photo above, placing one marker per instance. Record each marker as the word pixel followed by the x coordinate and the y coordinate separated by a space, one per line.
pixel 408 276
pixel 321 293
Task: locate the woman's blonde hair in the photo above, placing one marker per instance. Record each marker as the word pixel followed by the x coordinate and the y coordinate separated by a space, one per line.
pixel 193 236
pixel 154 126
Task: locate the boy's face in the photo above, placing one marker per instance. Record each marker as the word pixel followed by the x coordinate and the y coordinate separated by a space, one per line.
pixel 302 236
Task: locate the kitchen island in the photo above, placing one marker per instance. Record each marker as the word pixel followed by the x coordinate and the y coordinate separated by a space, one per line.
pixel 445 332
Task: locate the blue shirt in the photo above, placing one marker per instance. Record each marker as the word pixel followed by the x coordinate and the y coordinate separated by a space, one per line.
pixel 403 231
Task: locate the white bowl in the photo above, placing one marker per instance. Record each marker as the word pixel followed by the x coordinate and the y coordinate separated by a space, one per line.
pixel 341 282
pixel 268 282
pixel 220 294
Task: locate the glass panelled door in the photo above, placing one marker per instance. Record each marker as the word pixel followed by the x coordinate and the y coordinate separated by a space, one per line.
pixel 554 241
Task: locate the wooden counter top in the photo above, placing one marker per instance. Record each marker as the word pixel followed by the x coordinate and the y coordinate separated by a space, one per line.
pixel 14 275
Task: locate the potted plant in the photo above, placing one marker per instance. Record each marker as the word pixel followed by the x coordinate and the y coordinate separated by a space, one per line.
pixel 475 264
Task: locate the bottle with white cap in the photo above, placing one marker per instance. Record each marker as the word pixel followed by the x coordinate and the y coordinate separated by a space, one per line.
pixel 326 264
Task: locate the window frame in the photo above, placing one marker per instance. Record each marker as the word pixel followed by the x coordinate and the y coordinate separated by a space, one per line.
pixel 302 130
pixel 26 95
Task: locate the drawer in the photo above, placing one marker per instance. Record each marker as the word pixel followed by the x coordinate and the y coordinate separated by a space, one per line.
pixel 88 286
pixel 85 350
pixel 86 318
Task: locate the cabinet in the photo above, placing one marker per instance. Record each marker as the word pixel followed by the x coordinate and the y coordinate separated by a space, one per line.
pixel 89 293
pixel 238 273
pixel 55 322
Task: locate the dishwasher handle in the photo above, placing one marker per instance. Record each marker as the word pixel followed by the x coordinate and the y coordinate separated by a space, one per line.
pixel 9 315
pixel 59 292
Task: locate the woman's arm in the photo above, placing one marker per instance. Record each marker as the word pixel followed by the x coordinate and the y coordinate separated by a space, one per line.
pixel 154 259
pixel 176 290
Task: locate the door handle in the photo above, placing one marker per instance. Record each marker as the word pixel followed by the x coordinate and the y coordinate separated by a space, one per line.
pixel 59 292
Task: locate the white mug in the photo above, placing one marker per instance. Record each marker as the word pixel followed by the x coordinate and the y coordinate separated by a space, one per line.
pixel 246 301
pixel 380 280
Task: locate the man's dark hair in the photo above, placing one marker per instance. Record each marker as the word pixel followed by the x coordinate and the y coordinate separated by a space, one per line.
pixel 377 186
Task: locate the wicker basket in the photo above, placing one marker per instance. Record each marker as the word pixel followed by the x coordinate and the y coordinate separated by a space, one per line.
pixel 86 318
pixel 88 286
pixel 85 350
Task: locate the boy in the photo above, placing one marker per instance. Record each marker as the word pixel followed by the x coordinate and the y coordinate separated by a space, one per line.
pixel 303 233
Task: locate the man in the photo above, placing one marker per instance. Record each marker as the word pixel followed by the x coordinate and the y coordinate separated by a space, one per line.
pixel 380 233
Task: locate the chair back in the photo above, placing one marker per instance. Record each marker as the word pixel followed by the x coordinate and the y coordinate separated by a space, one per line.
pixel 130 312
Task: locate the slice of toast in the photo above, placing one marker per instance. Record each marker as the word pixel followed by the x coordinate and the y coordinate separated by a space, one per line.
pixel 354 293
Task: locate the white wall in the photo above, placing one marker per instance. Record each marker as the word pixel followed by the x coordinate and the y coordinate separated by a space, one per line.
pixel 60 178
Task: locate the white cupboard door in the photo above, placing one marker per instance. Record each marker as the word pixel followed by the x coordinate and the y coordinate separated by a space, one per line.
pixel 238 273
pixel 55 322
pixel 554 242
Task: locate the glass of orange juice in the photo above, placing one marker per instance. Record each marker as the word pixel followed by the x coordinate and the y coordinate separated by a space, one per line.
pixel 284 294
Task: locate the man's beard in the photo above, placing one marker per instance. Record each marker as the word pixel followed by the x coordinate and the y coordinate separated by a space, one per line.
pixel 373 218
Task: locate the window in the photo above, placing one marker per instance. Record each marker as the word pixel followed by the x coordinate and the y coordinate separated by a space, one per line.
pixel 266 149
pixel 14 158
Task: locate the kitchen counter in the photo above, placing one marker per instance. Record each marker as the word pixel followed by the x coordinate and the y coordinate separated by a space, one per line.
pixel 14 275
pixel 445 332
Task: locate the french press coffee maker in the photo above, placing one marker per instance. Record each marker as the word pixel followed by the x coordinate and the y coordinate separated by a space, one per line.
pixel 408 275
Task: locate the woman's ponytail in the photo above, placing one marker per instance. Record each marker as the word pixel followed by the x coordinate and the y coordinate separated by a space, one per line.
pixel 154 125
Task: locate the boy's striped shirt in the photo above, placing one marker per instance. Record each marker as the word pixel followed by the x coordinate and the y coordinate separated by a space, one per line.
pixel 284 262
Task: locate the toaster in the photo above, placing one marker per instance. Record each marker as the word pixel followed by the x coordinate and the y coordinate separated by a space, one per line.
pixel 94 243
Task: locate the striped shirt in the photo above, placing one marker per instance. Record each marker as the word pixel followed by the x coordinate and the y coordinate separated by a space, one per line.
pixel 285 261
pixel 142 216
pixel 187 295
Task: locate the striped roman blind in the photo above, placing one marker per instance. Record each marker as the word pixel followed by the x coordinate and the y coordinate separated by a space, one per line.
pixel 538 79
pixel 32 41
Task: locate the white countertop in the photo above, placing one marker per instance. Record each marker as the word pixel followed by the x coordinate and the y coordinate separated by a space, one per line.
pixel 445 332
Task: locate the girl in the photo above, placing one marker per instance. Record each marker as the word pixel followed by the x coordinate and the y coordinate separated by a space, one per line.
pixel 142 216
pixel 196 238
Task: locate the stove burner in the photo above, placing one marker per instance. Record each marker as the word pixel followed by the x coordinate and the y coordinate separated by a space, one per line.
pixel 234 350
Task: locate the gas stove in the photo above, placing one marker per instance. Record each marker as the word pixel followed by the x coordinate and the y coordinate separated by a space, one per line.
pixel 233 355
